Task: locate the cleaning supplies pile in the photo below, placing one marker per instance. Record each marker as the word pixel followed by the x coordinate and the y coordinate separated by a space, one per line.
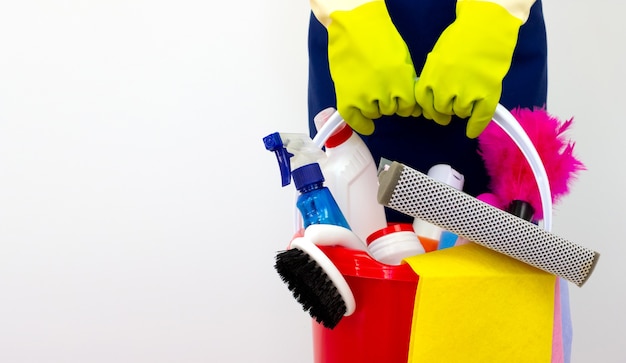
pixel 336 188
pixel 341 197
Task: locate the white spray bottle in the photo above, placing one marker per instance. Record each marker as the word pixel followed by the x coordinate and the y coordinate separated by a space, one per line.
pixel 352 177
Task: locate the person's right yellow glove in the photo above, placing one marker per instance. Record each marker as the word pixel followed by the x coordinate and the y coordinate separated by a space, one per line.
pixel 463 73
pixel 369 62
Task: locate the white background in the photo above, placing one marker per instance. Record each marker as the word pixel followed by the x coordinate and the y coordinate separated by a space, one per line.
pixel 140 213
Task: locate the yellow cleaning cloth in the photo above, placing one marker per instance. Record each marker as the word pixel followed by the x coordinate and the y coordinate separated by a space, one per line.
pixel 477 305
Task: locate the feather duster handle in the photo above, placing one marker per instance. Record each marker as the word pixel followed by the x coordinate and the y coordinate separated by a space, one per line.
pixel 511 176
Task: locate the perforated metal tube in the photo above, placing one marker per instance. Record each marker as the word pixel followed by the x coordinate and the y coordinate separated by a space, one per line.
pixel 414 193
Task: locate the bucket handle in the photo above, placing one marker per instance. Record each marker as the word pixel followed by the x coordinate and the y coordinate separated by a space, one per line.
pixel 507 122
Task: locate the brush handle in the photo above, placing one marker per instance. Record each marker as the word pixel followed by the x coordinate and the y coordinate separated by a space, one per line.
pixel 416 194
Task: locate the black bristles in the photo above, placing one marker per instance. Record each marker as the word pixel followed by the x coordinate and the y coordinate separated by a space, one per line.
pixel 311 286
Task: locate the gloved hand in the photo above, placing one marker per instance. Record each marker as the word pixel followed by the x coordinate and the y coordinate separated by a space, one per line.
pixel 369 63
pixel 463 73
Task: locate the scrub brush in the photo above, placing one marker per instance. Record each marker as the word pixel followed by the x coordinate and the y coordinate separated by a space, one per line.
pixel 512 182
pixel 314 280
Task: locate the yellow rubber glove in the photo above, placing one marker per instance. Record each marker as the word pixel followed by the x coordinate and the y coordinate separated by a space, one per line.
pixel 463 73
pixel 370 66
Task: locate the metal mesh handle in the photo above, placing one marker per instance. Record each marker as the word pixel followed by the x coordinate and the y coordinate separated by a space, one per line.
pixel 416 194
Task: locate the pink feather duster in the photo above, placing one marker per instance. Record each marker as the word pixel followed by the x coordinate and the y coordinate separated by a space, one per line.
pixel 511 175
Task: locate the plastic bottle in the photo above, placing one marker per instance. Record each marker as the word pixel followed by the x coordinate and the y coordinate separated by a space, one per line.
pixel 316 202
pixel 351 175
pixel 445 174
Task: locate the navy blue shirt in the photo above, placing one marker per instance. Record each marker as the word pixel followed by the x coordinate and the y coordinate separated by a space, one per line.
pixel 418 142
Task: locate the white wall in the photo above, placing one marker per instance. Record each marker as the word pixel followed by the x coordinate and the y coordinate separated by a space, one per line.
pixel 140 213
pixel 587 77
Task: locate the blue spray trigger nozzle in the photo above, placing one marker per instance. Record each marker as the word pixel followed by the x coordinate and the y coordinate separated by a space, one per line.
pixel 274 143
pixel 292 152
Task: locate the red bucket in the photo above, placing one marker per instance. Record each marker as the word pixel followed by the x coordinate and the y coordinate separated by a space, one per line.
pixel 379 330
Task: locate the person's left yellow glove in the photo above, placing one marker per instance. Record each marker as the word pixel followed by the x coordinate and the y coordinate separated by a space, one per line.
pixel 369 62
pixel 463 73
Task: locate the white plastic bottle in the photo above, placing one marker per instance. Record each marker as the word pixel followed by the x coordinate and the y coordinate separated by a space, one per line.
pixel 351 175
pixel 445 174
